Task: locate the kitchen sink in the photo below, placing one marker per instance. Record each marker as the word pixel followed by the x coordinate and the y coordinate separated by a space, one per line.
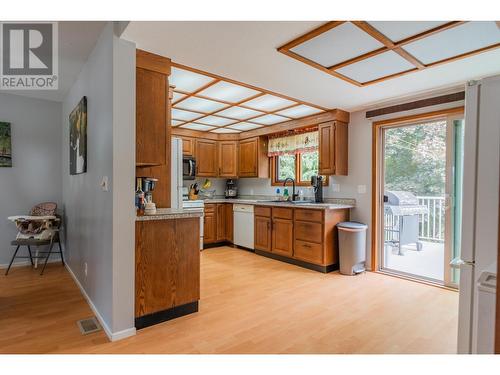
pixel 292 202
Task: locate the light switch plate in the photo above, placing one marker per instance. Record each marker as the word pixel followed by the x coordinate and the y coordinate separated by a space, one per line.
pixel 361 189
pixel 105 183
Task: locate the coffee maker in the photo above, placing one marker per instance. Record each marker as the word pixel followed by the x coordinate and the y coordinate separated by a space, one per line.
pixel 317 184
pixel 231 189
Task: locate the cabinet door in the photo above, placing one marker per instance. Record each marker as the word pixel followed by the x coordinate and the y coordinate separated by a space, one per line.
pixel 262 236
pixel 282 238
pixel 327 148
pixel 229 221
pixel 206 158
pixel 209 225
pixel 221 222
pixel 228 159
pixel 151 117
pixel 248 157
pixel 188 146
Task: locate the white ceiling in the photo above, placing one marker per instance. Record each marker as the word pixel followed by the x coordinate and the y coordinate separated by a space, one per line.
pixel 246 51
pixel 76 42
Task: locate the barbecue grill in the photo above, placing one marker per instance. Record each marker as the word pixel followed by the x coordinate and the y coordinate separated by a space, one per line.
pixel 401 214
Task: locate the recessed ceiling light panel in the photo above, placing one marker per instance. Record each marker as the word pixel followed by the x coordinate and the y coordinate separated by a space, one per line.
pixel 269 119
pixel 399 30
pixel 200 105
pixel 268 103
pixel 299 111
pixel 239 113
pixel 180 114
pixel 244 126
pixel 215 121
pixel 224 131
pixel 199 127
pixel 228 92
pixel 187 81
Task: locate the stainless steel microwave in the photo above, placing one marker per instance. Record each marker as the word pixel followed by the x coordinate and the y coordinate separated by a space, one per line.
pixel 188 168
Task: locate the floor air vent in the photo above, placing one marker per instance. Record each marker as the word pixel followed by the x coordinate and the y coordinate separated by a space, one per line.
pixel 88 326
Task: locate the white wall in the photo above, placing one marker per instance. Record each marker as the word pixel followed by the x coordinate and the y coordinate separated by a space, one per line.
pixel 99 224
pixel 35 175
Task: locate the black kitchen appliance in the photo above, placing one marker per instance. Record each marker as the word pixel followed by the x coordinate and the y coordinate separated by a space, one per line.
pixel 188 168
pixel 231 189
pixel 317 184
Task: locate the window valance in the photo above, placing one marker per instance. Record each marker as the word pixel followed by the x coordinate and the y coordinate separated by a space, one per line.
pixel 293 144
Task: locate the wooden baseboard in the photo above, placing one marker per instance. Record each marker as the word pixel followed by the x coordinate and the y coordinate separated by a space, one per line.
pixel 311 266
pixel 163 316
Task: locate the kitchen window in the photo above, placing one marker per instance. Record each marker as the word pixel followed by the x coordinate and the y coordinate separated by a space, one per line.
pixel 295 156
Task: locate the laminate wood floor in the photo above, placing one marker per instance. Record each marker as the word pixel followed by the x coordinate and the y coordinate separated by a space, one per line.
pixel 249 304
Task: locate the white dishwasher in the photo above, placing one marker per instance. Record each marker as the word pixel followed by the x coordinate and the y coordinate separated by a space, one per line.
pixel 243 225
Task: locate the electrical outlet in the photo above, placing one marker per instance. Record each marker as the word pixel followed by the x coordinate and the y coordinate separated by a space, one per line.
pixel 361 189
pixel 336 188
pixel 85 268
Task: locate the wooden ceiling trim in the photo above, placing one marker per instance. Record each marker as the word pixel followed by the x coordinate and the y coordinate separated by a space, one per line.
pixel 185 67
pixel 197 91
pixel 389 45
pixel 311 34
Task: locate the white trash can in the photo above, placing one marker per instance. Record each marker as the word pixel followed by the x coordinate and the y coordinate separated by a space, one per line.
pixel 352 247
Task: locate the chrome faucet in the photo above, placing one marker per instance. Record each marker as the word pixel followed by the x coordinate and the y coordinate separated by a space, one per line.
pixel 294 196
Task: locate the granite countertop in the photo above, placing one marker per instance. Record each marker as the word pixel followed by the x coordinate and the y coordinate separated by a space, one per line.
pixel 341 204
pixel 171 213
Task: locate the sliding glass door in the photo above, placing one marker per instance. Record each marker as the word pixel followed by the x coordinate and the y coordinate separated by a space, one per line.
pixel 420 183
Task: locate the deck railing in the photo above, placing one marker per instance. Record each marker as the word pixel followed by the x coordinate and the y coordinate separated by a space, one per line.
pixel 431 225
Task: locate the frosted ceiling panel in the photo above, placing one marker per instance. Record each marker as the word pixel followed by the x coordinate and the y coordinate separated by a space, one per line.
pixel 399 30
pixel 185 80
pixel 224 130
pixel 455 41
pixel 177 96
pixel 269 119
pixel 244 126
pixel 239 113
pixel 179 114
pixel 228 92
pixel 337 45
pixel 378 66
pixel 176 122
pixel 200 105
pixel 197 127
pixel 268 103
pixel 215 121
pixel 299 111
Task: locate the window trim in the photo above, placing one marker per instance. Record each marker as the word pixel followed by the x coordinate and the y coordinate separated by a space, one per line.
pixel 274 173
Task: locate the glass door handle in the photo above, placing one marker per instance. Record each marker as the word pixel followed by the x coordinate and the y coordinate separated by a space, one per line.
pixel 457 263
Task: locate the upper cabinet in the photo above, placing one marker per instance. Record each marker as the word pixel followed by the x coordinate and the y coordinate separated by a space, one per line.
pixel 253 160
pixel 228 159
pixel 206 158
pixel 188 146
pixel 152 108
pixel 333 148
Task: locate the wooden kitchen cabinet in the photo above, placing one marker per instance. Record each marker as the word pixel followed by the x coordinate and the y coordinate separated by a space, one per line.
pixel 252 159
pixel 210 224
pixel 262 233
pixel 228 209
pixel 206 158
pixel 333 148
pixel 167 268
pixel 188 146
pixel 151 108
pixel 228 159
pixel 282 231
pixel 221 222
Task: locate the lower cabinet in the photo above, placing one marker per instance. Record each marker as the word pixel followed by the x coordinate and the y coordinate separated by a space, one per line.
pixel 262 233
pixel 307 237
pixel 218 223
pixel 282 237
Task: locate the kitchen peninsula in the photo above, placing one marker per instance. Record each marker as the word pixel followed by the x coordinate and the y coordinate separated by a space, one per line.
pixel 167 256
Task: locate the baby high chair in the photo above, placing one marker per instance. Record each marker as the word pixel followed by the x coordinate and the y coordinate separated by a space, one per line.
pixel 39 228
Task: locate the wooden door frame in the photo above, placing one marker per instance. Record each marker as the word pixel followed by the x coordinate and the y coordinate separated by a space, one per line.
pixel 377 127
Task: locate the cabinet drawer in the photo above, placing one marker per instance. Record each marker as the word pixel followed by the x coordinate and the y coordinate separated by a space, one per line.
pixel 307 231
pixel 309 215
pixel 282 213
pixel 308 251
pixel 210 207
pixel 262 211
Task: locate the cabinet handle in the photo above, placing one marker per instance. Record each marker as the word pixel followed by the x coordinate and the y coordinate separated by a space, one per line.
pixel 307 245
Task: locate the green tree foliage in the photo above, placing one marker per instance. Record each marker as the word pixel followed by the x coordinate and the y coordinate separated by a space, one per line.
pixel 415 158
